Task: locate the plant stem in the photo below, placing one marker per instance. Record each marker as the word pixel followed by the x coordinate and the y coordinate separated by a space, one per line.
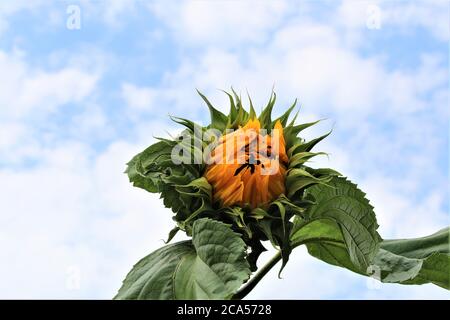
pixel 251 284
pixel 257 277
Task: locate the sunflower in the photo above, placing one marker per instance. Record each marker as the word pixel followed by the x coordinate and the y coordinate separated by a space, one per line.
pixel 259 177
pixel 250 173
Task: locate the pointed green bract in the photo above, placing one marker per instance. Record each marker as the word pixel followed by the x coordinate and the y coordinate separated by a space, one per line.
pixel 265 118
pixel 284 118
pixel 218 119
pixel 252 114
pixel 233 110
pixel 298 159
pixel 298 179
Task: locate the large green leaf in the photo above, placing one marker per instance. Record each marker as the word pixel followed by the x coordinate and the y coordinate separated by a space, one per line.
pixel 410 261
pixel 416 261
pixel 211 266
pixel 341 202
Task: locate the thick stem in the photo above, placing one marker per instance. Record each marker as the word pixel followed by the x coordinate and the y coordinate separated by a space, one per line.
pixel 251 284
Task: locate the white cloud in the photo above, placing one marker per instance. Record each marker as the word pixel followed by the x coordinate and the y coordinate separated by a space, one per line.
pixel 431 15
pixel 27 90
pixel 9 133
pixel 138 98
pixel 394 17
pixel 9 8
pixel 113 13
pixel 114 9
pixel 224 23
pixel 30 96
pixel 48 91
pixel 308 61
pixel 91 121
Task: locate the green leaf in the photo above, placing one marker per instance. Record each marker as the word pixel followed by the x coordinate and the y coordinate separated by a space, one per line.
pixel 323 230
pixel 410 261
pixel 324 240
pixel 343 203
pixel 211 266
pixel 136 167
pixel 416 261
pixel 218 119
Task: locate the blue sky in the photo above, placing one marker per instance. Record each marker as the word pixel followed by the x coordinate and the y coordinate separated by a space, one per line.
pixel 77 104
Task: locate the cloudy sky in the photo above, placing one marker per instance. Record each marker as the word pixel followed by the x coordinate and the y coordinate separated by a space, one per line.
pixel 79 98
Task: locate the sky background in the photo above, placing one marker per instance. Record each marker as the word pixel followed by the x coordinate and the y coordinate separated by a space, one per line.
pixel 77 104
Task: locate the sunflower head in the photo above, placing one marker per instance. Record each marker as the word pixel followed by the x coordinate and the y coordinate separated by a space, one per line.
pixel 246 170
pixel 248 167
